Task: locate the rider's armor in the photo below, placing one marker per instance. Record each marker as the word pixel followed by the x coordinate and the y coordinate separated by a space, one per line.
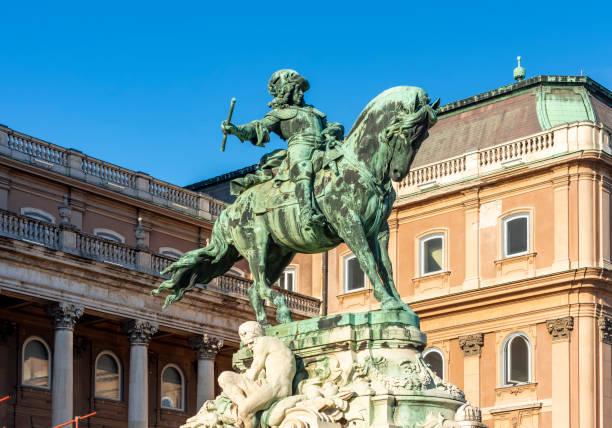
pixel 303 128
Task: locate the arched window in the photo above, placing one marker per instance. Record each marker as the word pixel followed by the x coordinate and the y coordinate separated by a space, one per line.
pixel 111 235
pixel 237 272
pixel 432 254
pixel 37 214
pixel 515 235
pixel 434 357
pixel 354 278
pixel 516 359
pixel 36 367
pixel 108 376
pixel 172 388
pixel 170 252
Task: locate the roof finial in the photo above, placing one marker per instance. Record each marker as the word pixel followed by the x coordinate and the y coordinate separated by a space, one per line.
pixel 519 72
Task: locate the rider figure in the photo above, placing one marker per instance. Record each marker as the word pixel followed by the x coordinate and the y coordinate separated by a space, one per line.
pixel 305 129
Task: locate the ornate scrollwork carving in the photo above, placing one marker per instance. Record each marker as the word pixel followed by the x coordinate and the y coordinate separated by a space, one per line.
pixel 206 346
pixel 471 344
pixel 560 328
pixel 139 332
pixel 64 315
pixel 605 329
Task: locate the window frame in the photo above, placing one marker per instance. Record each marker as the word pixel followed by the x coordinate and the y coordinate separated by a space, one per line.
pixel 505 220
pixel 422 241
pixel 183 387
pixel 173 252
pixel 120 368
pixel 49 362
pixel 292 270
pixel 120 237
pixel 49 218
pixel 345 276
pixel 436 350
pixel 506 360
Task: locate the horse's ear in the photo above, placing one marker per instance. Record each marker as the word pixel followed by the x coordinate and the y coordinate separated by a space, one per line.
pixel 416 103
pixel 436 104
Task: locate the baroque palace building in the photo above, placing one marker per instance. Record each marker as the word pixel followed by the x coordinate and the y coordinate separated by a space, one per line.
pixel 82 243
pixel 500 241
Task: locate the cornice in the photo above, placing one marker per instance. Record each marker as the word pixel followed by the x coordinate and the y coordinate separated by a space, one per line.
pixel 65 180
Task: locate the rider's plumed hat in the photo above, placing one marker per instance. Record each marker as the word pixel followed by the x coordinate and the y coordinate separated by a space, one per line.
pixel 281 77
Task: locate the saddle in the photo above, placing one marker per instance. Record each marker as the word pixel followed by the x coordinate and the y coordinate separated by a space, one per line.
pixel 274 166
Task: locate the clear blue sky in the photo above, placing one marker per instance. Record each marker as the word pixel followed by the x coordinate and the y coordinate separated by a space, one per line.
pixel 145 85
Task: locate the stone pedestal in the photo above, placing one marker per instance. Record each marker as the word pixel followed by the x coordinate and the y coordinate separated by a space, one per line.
pixel 355 370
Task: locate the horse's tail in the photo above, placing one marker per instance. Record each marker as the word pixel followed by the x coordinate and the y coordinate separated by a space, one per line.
pixel 200 266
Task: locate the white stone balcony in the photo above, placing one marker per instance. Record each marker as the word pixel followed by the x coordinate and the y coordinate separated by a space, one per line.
pixel 562 139
pixel 75 164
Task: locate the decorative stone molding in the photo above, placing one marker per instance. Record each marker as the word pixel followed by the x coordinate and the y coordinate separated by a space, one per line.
pixel 139 332
pixel 605 329
pixel 206 346
pixel 560 328
pixel 64 315
pixel 471 344
pixel 65 213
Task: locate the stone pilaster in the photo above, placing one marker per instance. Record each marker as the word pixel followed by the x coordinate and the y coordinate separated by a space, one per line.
pixel 206 348
pixel 560 329
pixel 139 333
pixel 64 317
pixel 471 345
pixel 605 366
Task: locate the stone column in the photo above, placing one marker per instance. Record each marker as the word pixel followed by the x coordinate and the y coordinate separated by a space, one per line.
pixel 561 219
pixel 472 231
pixel 139 334
pixel 64 316
pixel 586 223
pixel 472 348
pixel 206 348
pixel 560 330
pixel 605 404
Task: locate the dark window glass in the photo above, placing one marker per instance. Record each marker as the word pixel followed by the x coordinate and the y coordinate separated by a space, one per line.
pixel 354 275
pixel 171 389
pixel 107 378
pixel 432 255
pixel 436 363
pixel 36 364
pixel 516 236
pixel 518 360
pixel 109 236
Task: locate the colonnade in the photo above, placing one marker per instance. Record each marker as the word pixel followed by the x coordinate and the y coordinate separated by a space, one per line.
pixel 139 332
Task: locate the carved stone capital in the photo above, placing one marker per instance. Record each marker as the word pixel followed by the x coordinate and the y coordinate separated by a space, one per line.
pixel 560 328
pixel 139 332
pixel 206 346
pixel 64 315
pixel 605 329
pixel 471 344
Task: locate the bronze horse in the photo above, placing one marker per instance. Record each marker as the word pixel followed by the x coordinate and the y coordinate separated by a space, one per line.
pixel 355 196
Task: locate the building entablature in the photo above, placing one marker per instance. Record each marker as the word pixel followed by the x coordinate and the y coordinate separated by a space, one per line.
pixel 76 167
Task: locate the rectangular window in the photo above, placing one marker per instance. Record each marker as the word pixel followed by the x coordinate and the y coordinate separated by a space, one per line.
pixel 516 235
pixel 287 280
pixel 432 254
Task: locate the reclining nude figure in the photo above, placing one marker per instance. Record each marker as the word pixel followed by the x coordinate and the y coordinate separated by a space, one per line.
pixel 269 378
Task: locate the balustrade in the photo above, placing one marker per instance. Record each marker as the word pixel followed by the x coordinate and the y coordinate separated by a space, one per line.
pixel 105 250
pixel 28 229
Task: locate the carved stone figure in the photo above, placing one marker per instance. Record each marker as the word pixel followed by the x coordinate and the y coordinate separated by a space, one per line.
pixel 351 184
pixel 268 379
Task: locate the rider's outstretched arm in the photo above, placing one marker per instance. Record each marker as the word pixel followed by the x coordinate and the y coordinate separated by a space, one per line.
pixel 258 131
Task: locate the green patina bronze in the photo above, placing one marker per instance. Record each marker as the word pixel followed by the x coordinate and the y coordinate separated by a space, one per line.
pixel 322 191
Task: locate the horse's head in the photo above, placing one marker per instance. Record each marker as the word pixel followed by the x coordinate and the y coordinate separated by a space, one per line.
pixel 398 120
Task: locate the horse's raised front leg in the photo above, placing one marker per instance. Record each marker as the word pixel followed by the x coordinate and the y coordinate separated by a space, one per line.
pixel 351 231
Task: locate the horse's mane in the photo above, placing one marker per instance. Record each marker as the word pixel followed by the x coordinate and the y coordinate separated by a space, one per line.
pixel 382 110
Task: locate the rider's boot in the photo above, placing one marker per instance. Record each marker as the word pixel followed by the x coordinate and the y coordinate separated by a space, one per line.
pixel 308 215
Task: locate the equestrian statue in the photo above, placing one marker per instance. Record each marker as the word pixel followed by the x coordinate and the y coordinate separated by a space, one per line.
pixel 323 190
